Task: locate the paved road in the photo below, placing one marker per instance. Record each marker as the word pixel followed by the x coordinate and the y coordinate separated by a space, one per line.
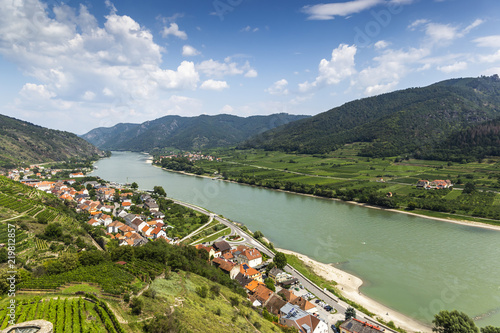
pixel 324 295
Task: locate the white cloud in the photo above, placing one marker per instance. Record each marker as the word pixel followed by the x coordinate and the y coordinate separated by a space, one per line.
pixel 88 95
pixel 186 77
pixel 173 30
pixel 214 85
pixel 87 67
pixel 328 11
pixel 439 34
pixel 249 29
pixel 213 68
pixel 189 51
pixel 278 88
pixel 339 67
pixel 488 41
pixel 490 58
pixel 473 25
pixel 227 109
pixel 417 23
pixel 251 73
pixel 381 44
pixel 36 91
pixel 391 66
pixel 456 67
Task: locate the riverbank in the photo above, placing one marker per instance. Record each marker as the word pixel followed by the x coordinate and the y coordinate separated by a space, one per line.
pixel 450 220
pixel 349 285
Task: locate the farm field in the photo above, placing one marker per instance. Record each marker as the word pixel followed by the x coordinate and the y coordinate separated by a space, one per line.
pixel 387 182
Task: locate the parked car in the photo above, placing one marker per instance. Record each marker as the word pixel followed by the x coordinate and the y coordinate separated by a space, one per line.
pixel 328 308
pixel 317 301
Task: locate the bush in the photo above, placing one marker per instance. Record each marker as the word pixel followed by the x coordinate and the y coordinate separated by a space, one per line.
pixel 202 291
pixel 136 304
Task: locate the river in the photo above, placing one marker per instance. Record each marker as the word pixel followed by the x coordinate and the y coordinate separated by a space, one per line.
pixel 414 265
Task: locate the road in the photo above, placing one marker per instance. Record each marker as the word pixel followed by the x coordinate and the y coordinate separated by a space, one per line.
pixel 325 296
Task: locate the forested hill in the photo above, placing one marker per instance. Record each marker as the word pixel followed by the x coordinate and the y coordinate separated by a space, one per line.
pixel 185 132
pixel 23 142
pixel 419 121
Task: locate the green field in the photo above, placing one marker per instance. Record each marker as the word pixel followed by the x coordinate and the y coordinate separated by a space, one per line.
pixel 387 182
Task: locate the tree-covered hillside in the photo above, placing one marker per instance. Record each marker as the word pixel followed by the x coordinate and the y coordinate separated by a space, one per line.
pixel 410 121
pixel 185 132
pixel 23 142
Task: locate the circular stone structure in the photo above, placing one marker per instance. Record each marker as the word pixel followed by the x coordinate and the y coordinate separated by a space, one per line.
pixel 33 326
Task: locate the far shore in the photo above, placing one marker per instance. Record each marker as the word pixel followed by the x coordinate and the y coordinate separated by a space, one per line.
pixel 450 220
pixel 349 285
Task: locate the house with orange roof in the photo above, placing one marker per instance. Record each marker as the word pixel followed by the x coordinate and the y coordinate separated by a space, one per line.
pixel 157 232
pixel 106 219
pixel 354 325
pixel 251 273
pixel 126 205
pixel 93 222
pixel 252 286
pixel 252 257
pixel 292 316
pixel 261 294
pixel 304 304
pixel 124 229
pixel 209 249
pixel 76 175
pixel 226 266
pixel 66 196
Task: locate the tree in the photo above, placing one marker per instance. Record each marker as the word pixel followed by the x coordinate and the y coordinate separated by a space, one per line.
pixel 469 188
pixel 159 190
pixel 453 322
pixel 490 329
pixel 280 260
pixel 350 313
pixel 134 186
pixel 270 284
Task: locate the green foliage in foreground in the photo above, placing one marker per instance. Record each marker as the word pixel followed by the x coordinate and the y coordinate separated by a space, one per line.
pixel 67 315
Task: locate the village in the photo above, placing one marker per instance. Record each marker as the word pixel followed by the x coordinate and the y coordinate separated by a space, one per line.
pixel 280 294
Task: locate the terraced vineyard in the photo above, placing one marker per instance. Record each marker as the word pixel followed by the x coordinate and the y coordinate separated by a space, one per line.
pixel 77 315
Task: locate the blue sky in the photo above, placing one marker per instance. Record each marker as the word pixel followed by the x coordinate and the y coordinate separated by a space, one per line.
pixel 77 65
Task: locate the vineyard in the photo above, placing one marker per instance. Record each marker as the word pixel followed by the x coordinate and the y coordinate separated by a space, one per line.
pixel 77 315
pixel 22 240
pixel 112 278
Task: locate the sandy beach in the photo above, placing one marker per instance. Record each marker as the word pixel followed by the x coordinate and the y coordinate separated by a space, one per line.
pixel 349 285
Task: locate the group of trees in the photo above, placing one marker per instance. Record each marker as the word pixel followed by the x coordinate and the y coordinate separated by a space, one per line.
pixel 181 164
pixel 458 322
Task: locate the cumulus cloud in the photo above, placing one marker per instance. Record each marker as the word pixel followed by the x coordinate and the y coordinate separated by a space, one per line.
pixel 251 73
pixel 113 69
pixel 339 67
pixel 214 85
pixel 278 88
pixel 456 67
pixel 227 109
pixel 390 67
pixel 173 30
pixel 189 51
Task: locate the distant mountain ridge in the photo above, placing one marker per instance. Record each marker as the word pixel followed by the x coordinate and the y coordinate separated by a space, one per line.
pixel 419 121
pixel 185 132
pixel 23 142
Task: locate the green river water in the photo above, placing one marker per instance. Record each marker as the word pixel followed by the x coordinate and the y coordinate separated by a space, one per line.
pixel 414 265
